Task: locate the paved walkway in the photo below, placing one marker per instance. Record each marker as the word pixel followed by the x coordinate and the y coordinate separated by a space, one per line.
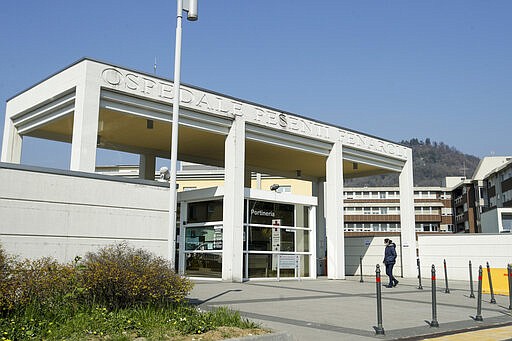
pixel 346 309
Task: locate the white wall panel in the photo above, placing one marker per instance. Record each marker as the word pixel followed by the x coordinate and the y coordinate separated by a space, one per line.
pixel 64 215
pixel 372 251
pixel 458 250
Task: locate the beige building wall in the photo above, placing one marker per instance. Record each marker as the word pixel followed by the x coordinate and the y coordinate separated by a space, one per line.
pixel 298 187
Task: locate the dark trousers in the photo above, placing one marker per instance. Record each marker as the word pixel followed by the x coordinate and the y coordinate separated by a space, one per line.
pixel 389 272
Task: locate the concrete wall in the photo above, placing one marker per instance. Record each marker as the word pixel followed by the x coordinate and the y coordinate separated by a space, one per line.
pixel 372 251
pixel 64 214
pixel 459 249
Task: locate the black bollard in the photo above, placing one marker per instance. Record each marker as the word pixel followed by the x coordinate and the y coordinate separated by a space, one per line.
pixel 472 294
pixel 361 268
pixel 447 290
pixel 434 322
pixel 478 316
pixel 419 274
pixel 493 300
pixel 379 330
pixel 509 274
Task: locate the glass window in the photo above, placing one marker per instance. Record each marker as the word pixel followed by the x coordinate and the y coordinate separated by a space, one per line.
pixel 203 265
pixel 204 211
pixel 287 240
pixel 203 238
pixel 284 189
pixel 262 212
pixel 260 238
pixel 302 240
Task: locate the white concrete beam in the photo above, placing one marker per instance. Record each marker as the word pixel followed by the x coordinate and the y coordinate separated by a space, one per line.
pixel 334 213
pixel 407 220
pixel 233 206
pixel 85 125
pixel 12 140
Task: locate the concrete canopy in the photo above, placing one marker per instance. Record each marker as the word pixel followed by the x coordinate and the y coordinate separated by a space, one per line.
pixel 131 133
pixel 140 124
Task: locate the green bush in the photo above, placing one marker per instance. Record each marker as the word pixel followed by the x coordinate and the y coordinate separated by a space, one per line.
pixel 121 276
pixel 5 281
pixel 41 284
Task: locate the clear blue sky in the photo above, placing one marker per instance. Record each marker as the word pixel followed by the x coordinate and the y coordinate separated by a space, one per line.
pixel 394 69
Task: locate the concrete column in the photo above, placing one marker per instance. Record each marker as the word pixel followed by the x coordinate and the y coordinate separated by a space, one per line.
pixel 12 141
pixel 334 214
pixel 407 221
pixel 248 178
pixel 85 126
pixel 147 164
pixel 233 206
pixel 317 188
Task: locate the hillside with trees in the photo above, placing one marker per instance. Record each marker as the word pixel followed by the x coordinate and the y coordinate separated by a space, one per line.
pixel 432 162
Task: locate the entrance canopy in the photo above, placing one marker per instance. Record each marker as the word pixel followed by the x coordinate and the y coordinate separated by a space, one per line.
pixel 131 111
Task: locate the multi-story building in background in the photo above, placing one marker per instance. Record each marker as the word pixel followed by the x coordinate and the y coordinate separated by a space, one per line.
pixel 377 209
pixel 469 195
pixel 482 203
pixel 497 211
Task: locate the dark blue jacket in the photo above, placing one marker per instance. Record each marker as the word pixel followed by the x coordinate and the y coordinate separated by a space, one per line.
pixel 390 254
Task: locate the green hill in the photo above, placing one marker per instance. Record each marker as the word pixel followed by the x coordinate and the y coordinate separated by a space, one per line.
pixel 432 162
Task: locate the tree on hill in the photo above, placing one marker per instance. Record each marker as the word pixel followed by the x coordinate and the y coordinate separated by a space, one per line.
pixel 432 162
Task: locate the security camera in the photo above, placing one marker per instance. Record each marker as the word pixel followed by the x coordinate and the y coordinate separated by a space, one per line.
pixel 274 187
pixel 165 175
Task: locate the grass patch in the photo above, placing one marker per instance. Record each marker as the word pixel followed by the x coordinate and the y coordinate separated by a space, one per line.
pixel 117 293
pixel 176 322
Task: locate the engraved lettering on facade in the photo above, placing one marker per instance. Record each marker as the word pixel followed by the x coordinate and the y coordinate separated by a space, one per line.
pixel 112 76
pixel 166 91
pixel 131 81
pixel 282 120
pixel 195 99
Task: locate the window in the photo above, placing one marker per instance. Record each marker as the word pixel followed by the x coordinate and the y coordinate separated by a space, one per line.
pixel 262 212
pixel 284 189
pixel 205 211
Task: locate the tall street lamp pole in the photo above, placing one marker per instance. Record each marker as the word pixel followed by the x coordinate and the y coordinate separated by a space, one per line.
pixel 189 6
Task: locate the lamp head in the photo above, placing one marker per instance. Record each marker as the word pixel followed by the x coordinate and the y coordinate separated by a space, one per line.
pixel 191 9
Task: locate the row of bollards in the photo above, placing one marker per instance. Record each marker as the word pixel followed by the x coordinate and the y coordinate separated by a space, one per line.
pixel 379 329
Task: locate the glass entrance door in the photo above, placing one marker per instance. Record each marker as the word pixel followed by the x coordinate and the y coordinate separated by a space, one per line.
pixel 203 233
pixel 276 240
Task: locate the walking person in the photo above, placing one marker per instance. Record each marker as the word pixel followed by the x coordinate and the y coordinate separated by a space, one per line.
pixel 389 261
